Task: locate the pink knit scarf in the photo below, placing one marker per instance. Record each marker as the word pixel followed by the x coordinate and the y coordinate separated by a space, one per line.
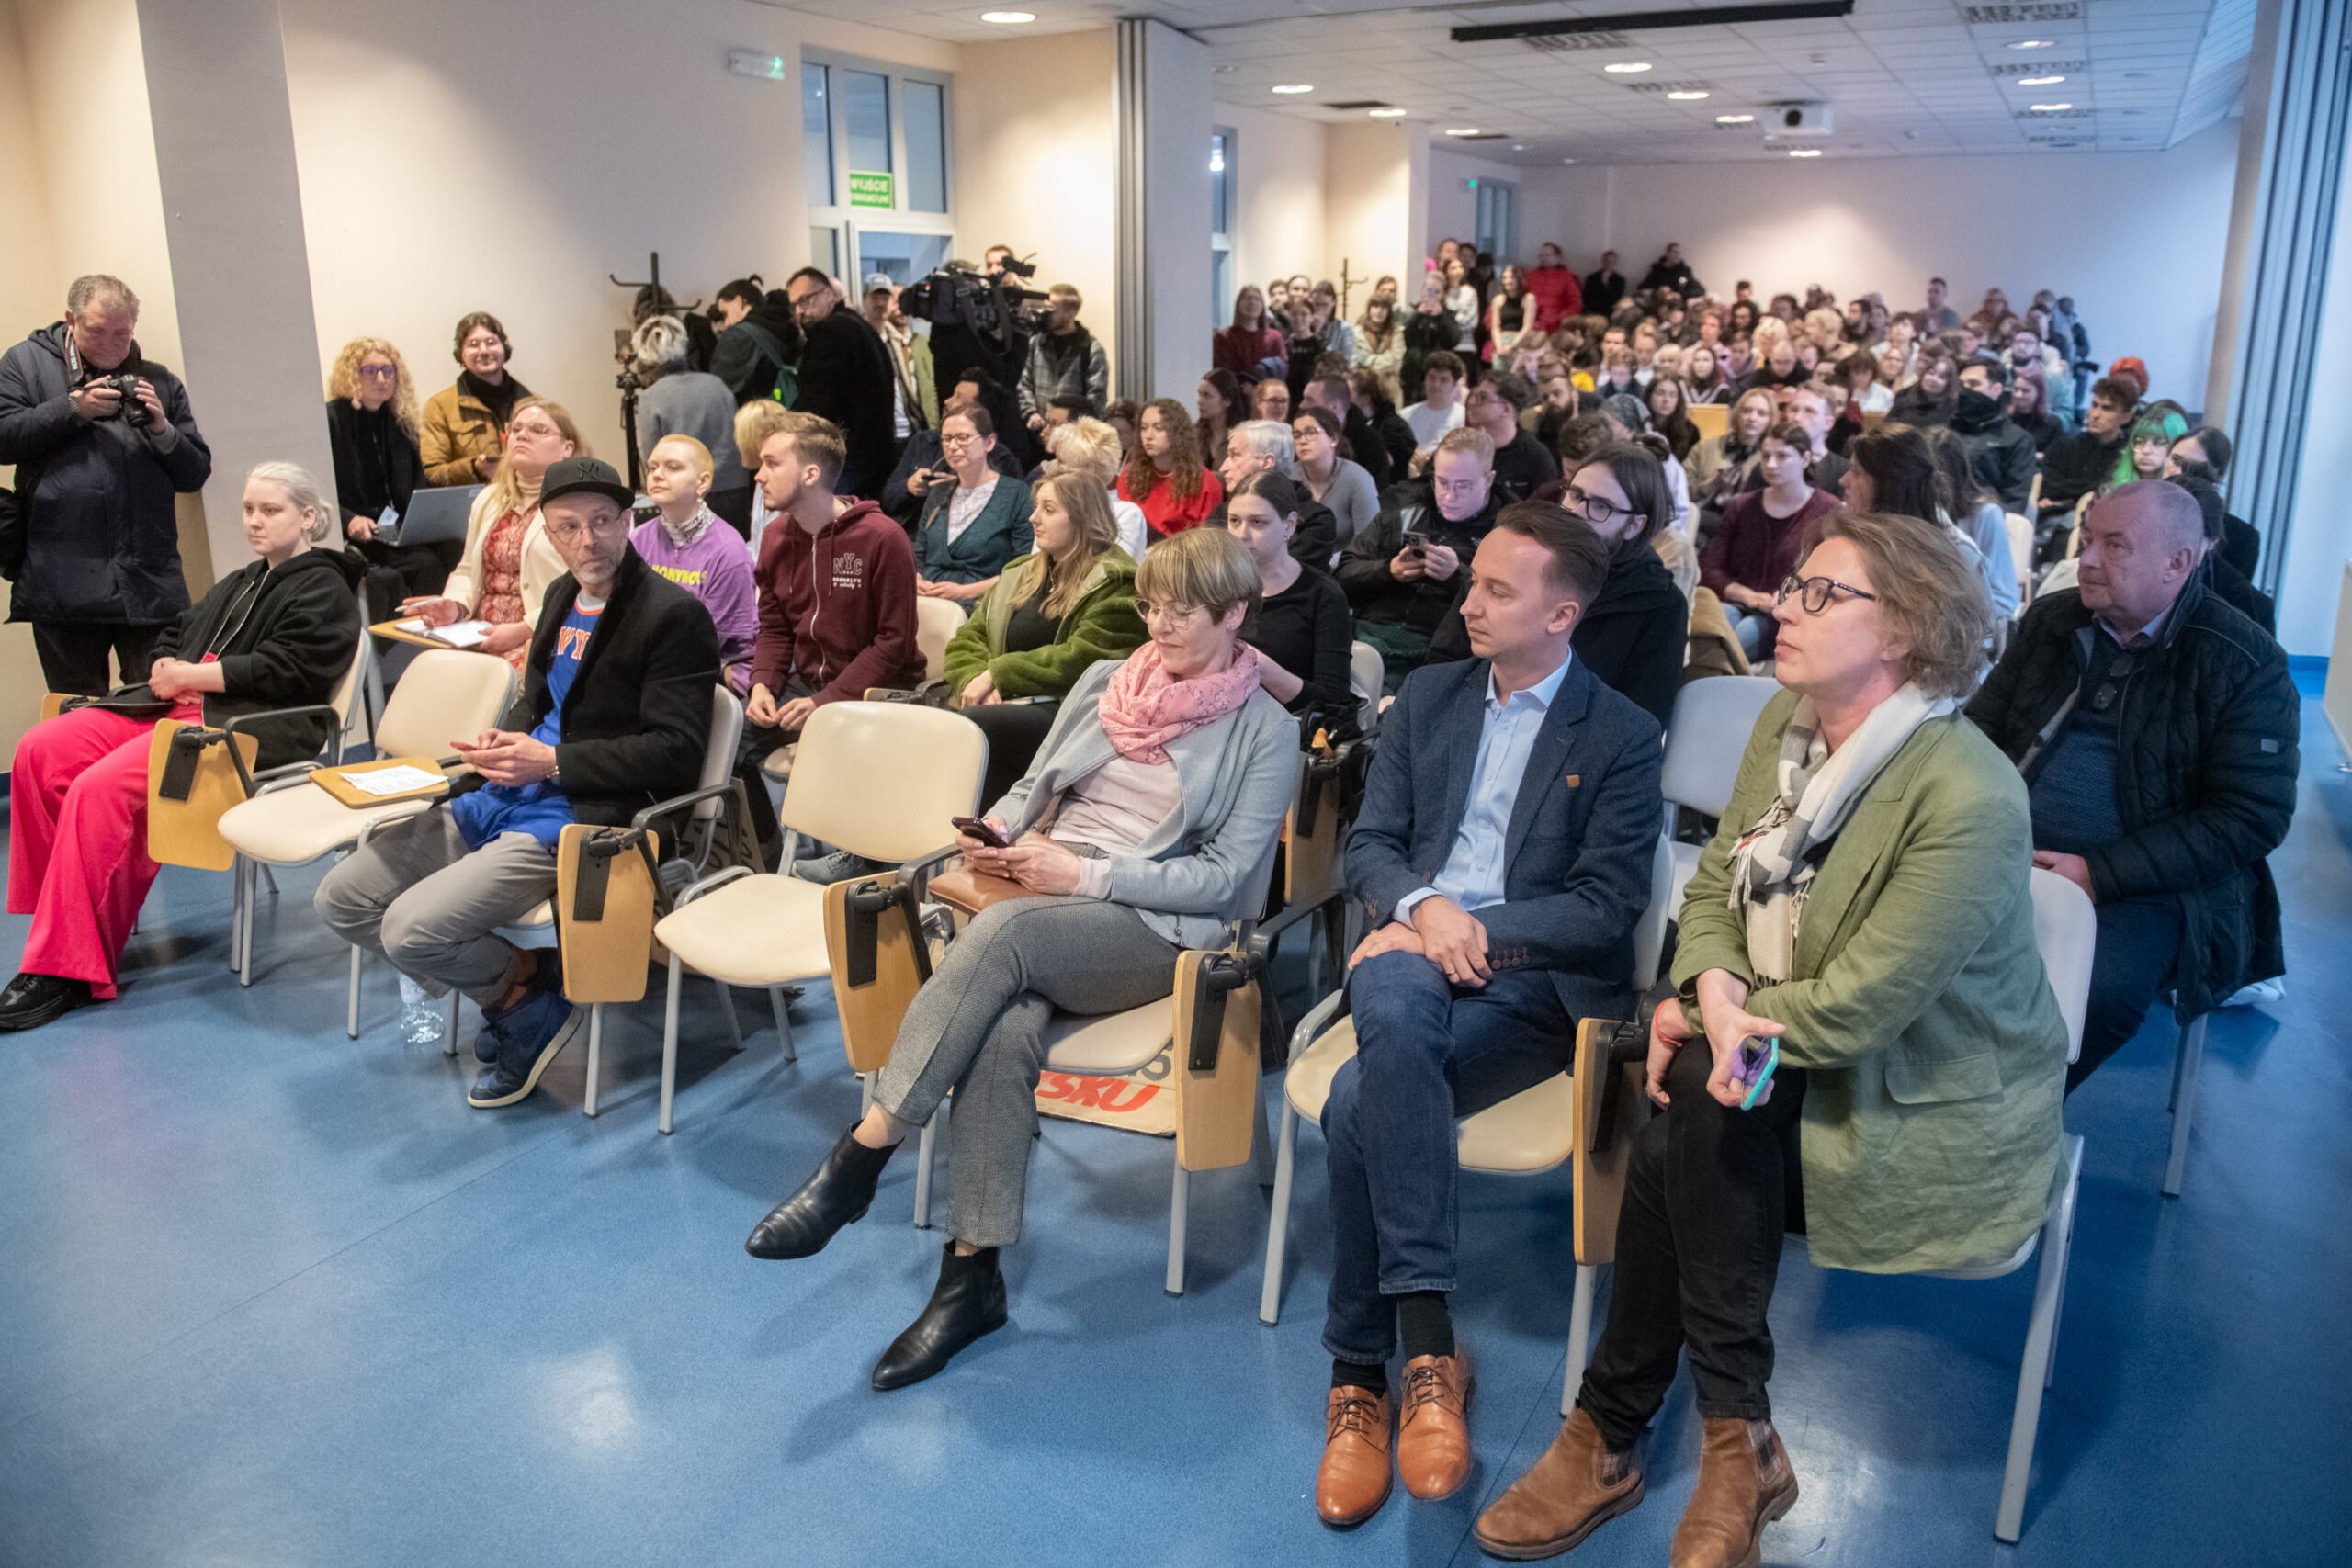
pixel 1145 707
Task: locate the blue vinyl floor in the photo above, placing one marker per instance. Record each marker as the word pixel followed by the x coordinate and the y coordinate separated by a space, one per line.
pixel 270 1296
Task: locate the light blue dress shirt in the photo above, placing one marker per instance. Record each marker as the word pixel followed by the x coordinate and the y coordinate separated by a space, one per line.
pixel 1472 877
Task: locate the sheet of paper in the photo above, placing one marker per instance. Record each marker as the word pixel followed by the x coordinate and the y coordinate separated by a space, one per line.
pixel 461 633
pixel 390 780
pixel 415 624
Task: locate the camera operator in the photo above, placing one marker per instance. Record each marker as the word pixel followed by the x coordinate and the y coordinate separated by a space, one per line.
pixel 102 438
pixel 845 377
pixel 1063 361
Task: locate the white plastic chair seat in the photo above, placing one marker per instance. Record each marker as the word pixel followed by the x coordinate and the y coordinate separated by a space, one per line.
pixel 1111 1043
pixel 756 930
pixel 1525 1134
pixel 777 764
pixel 288 826
pixel 539 914
pixel 1686 866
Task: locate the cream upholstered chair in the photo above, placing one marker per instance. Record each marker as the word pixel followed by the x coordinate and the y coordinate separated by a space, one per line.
pixel 937 623
pixel 1525 1135
pixel 443 693
pixel 880 780
pixel 1713 717
pixel 1366 673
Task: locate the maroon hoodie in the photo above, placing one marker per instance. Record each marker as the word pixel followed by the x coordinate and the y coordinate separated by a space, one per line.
pixel 846 626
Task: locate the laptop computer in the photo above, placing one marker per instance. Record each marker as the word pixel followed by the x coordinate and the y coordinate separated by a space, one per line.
pixel 436 514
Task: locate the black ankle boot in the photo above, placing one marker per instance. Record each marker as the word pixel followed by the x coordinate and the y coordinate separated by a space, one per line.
pixel 968 1301
pixel 836 1196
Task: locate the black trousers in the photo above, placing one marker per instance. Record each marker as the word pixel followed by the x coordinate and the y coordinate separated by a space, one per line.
pixel 1709 1194
pixel 2139 947
pixel 74 654
pixel 1015 730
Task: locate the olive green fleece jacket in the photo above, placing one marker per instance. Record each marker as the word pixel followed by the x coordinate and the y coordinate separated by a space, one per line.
pixel 1934 1052
pixel 1101 625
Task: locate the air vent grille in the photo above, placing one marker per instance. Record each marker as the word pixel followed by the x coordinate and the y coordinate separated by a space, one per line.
pixel 2039 68
pixel 1655 88
pixel 1576 43
pixel 2024 11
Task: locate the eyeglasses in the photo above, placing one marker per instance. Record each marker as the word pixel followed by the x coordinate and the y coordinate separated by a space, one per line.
pixel 379 372
pixel 1814 592
pixel 1594 508
pixel 964 440
pixel 1149 610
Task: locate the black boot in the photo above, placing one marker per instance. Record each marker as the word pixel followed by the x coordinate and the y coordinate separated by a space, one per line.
pixel 31 1000
pixel 968 1301
pixel 836 1196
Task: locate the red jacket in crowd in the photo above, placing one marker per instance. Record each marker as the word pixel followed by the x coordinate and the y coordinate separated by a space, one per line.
pixel 1557 297
pixel 837 608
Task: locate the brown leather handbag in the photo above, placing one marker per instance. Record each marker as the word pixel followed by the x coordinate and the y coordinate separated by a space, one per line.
pixel 973 891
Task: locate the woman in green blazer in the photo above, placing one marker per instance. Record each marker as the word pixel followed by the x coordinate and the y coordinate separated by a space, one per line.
pixel 969 529
pixel 1865 908
pixel 1049 616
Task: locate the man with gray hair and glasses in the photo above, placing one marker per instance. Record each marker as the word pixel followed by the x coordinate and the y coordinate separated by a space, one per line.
pixel 102 438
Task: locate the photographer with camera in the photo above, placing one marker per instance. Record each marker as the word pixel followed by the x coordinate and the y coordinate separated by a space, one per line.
pixel 102 438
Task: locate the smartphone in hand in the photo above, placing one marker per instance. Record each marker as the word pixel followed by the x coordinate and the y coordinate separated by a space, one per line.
pixel 984 832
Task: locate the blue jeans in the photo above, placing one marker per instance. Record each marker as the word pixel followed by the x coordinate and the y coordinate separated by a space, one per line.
pixel 1427 1053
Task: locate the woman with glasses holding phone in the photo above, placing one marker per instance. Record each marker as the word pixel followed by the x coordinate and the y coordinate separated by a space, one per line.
pixel 973 523
pixel 1862 918
pixel 1145 826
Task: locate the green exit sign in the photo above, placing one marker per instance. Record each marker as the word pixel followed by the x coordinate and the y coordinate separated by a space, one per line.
pixel 870 190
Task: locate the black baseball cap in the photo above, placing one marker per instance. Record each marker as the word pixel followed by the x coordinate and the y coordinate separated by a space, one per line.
pixel 585 476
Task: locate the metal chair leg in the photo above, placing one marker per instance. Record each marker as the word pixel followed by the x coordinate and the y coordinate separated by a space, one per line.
pixel 1579 1336
pixel 2057 1236
pixel 450 1034
pixel 2191 1062
pixel 270 877
pixel 595 1054
pixel 925 1143
pixel 236 907
pixel 1270 1292
pixel 670 1041
pixel 351 1006
pixel 783 1023
pixel 727 1010
pixel 1261 1144
pixel 1177 1204
pixel 246 942
pixel 864 1094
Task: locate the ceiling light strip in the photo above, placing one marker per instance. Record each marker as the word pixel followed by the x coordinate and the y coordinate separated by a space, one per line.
pixel 1632 21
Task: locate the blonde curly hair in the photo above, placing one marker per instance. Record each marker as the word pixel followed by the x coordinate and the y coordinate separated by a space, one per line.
pixel 343 382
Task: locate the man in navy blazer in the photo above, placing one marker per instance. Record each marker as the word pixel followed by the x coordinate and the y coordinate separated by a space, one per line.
pixel 1502 857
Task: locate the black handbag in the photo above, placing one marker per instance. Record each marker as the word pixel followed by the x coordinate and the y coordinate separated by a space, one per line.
pixel 132 702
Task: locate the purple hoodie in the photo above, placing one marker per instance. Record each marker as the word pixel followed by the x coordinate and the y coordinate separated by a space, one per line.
pixel 717 570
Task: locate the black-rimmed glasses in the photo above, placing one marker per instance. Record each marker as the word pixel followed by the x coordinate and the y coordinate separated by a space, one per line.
pixel 1815 592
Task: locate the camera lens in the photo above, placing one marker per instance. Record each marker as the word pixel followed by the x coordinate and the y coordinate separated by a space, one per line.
pixel 1793 118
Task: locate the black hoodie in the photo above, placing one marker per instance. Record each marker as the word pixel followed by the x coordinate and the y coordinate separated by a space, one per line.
pixel 1631 637
pixel 748 355
pixel 283 637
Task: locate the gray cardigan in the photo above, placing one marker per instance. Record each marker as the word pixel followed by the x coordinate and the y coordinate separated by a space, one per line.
pixel 1352 500
pixel 1205 867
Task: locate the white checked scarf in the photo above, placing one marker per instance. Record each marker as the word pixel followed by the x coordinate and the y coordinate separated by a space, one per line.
pixel 1771 870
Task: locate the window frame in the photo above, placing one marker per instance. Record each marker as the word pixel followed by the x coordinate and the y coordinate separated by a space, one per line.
pixel 847 221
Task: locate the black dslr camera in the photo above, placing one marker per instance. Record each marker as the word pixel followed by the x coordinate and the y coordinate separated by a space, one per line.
pixel 130 411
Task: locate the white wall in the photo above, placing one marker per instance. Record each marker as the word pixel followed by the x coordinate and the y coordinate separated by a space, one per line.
pixel 1541 210
pixel 1278 199
pixel 2136 237
pixel 504 155
pixel 2319 537
pixel 1368 202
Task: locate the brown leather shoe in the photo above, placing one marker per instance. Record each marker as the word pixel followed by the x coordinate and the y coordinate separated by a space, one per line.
pixel 1745 1483
pixel 1575 1488
pixel 1433 1436
pixel 1354 1480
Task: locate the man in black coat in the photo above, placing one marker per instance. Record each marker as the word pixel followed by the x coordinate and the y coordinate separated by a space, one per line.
pixel 845 376
pixel 2158 729
pixel 1523 464
pixel 1670 271
pixel 2080 461
pixel 94 552
pixel 1604 286
pixel 614 716
pixel 2001 455
pixel 1399 570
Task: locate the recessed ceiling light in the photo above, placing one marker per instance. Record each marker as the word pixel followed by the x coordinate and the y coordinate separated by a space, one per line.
pixel 1805 152
pixel 1463 131
pixel 2035 44
pixel 1734 119
pixel 2047 108
pixel 1686 97
pixel 1567 160
pixel 1519 146
pixel 1295 87
pixel 1008 18
pixel 2039 81
pixel 1387 114
pixel 1627 68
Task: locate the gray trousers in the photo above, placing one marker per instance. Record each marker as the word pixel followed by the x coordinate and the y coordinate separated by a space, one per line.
pixel 978 1027
pixel 418 895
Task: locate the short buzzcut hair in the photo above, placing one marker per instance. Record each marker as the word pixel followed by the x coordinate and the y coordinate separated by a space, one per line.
pixel 99 287
pixel 1577 561
pixel 1467 438
pixel 1267 438
pixel 1927 593
pixel 1067 291
pixel 815 440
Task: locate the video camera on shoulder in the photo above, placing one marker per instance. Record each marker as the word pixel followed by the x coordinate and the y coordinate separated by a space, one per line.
pixel 960 294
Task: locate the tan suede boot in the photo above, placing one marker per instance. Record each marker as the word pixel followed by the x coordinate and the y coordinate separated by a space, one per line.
pixel 1575 1488
pixel 1745 1483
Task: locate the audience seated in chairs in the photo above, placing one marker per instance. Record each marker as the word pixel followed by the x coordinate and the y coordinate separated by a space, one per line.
pixel 1165 781
pixel 1167 473
pixel 1243 349
pixel 1761 534
pixel 372 427
pixel 279 633
pixel 973 523
pixel 1469 990
pixel 463 425
pixel 1052 616
pixel 678 542
pixel 2224 580
pixel 509 563
pixel 614 716
pixel 1915 1035
pixel 2002 455
pixel 2074 464
pixel 1399 573
pixel 1523 466
pixel 1922 474
pixel 2157 731
pixel 922 462
pixel 1301 629
pixel 1363 441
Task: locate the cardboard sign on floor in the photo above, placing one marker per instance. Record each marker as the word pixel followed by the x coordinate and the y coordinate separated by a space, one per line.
pixel 1141 1101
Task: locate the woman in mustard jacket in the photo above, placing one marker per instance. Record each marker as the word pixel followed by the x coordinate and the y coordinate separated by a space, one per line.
pixel 1051 613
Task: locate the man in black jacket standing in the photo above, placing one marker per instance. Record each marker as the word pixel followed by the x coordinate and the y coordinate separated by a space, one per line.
pixel 614 716
pixel 2156 729
pixel 1670 271
pixel 845 376
pixel 2001 454
pixel 94 552
pixel 1604 286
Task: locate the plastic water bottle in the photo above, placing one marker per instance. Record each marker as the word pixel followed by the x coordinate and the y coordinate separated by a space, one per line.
pixel 420 1018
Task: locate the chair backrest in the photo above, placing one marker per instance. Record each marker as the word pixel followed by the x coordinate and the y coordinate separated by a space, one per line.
pixel 718 757
pixel 1649 933
pixel 937 623
pixel 2021 550
pixel 881 780
pixel 1710 419
pixel 1366 674
pixel 445 694
pixel 1713 719
pixel 2065 929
